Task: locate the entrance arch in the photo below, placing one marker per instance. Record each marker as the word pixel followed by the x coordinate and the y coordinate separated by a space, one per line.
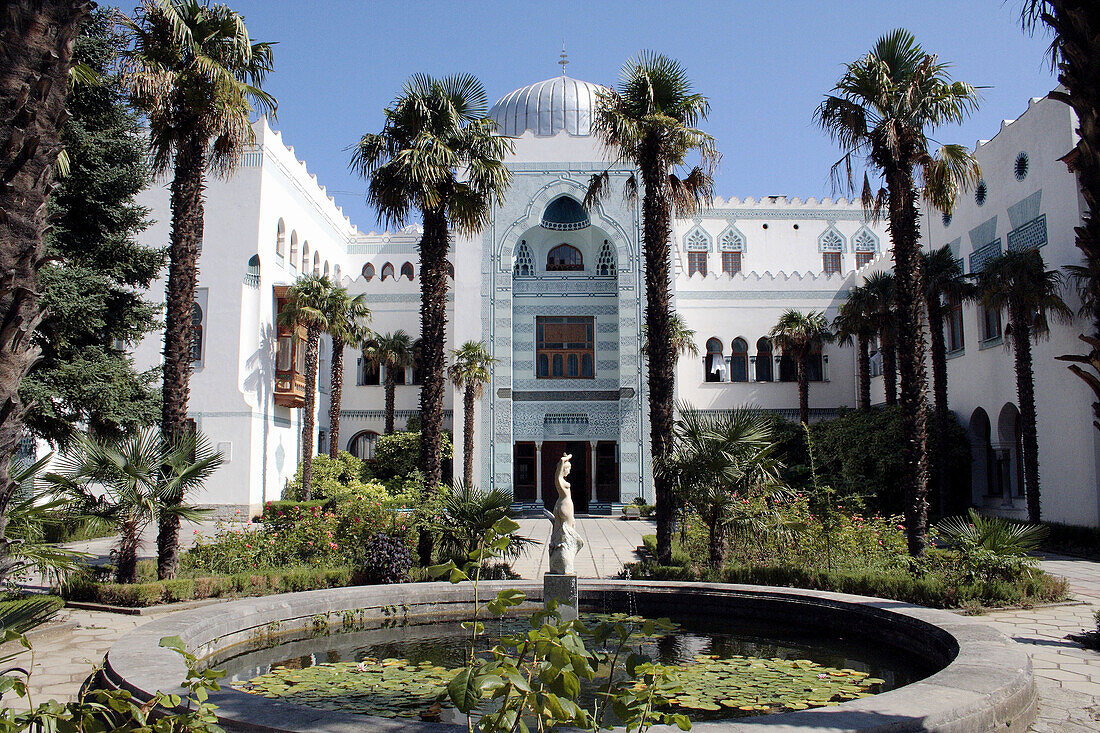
pixel 982 474
pixel 1010 451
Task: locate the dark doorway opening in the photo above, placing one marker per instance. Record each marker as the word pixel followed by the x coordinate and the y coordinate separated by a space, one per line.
pixel 579 477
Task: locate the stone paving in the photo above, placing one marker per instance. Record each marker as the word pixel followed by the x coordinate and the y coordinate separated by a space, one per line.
pixel 1068 676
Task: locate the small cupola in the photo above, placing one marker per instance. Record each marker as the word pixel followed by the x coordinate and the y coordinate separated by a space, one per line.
pixel 564 214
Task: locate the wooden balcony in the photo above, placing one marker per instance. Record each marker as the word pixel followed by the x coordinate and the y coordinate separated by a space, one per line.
pixel 290 379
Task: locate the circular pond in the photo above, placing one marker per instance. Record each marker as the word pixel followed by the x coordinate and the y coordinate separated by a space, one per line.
pixel 403 670
pixel 379 656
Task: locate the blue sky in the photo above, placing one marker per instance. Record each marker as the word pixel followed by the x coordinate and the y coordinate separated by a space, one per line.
pixel 765 66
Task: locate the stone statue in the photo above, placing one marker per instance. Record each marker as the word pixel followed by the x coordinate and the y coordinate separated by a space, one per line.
pixel 565 542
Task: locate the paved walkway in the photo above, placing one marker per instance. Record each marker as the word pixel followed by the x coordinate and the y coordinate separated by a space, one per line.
pixel 1067 675
pixel 609 542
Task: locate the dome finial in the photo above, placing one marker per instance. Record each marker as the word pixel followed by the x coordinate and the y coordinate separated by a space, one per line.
pixel 564 58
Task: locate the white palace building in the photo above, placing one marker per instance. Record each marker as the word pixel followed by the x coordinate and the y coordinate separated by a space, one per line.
pixel 557 295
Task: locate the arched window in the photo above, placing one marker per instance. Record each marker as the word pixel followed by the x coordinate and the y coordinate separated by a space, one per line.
pixel 865 245
pixel 294 250
pixel 252 274
pixel 732 246
pixel 407 270
pixel 362 444
pixel 316 263
pixel 714 364
pixel 196 333
pixel 326 270
pixel 336 273
pixel 763 360
pixel 305 257
pixel 831 245
pixel 524 265
pixel 280 242
pixel 564 257
pixel 368 272
pixel 697 244
pixel 605 263
pixel 984 461
pixel 450 270
pixel 387 271
pixel 739 361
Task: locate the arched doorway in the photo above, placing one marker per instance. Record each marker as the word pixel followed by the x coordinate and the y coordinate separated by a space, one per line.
pixel 362 444
pixel 1010 451
pixel 983 466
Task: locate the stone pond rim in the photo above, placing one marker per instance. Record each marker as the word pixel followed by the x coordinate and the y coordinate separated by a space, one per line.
pixel 984 682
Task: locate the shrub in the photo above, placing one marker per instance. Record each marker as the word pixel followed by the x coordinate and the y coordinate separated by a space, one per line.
pixel 397 454
pixel 859 454
pixel 329 476
pixel 1072 539
pixel 387 559
pixel 272 509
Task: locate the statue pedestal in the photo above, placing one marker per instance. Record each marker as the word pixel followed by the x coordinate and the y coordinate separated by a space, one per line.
pixel 563 589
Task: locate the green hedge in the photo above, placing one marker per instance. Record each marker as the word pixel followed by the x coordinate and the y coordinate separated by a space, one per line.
pixel 1071 539
pixel 927 590
pixel 258 583
pixel 273 509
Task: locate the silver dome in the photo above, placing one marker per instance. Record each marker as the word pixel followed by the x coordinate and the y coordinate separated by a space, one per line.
pixel 547 108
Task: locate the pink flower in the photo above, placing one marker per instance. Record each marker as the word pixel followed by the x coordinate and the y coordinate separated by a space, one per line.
pixel 248 546
pixel 311 543
pixel 900 526
pixel 196 531
pixel 332 545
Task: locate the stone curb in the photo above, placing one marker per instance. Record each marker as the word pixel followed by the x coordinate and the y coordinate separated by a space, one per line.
pixel 985 681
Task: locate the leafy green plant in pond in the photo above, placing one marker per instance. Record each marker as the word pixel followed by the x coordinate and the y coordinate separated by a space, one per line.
pixel 534 679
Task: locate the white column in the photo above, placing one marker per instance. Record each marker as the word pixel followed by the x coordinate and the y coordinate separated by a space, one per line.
pixel 592 478
pixel 538 471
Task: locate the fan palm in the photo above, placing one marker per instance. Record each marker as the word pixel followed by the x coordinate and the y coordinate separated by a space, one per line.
pixel 437 155
pixel 857 321
pixel 306 305
pixel 132 482
pixel 346 315
pixel 466 514
pixel 800 335
pixel 196 74
pixel 944 282
pixel 1076 53
pixel 395 352
pixel 716 461
pixel 884 107
pixel 879 287
pixel 1019 283
pixel 36 46
pixel 649 121
pixel 470 373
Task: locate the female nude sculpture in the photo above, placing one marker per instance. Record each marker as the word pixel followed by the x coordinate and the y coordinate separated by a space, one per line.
pixel 565 542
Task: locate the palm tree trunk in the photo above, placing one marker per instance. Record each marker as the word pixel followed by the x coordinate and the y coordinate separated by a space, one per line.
pixel 432 361
pixel 336 394
pixel 716 545
pixel 468 435
pixel 183 272
pixel 391 388
pixel 803 391
pixel 1025 393
pixel 939 392
pixel 908 302
pixel 864 372
pixel 890 366
pixel 126 561
pixel 313 339
pixel 36 47
pixel 661 358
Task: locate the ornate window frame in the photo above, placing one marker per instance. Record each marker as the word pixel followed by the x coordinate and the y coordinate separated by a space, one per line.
pixel 831 240
pixel 696 239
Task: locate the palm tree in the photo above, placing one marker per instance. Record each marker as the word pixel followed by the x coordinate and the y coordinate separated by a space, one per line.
pixel 944 283
pixel 683 338
pixel 132 482
pixel 884 107
pixel 345 314
pixel 434 128
pixel 649 121
pixel 801 335
pixel 879 287
pixel 36 46
pixel 470 373
pixel 718 460
pixel 395 352
pixel 196 74
pixel 1019 283
pixel 466 514
pixel 1075 52
pixel 306 305
pixel 857 321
